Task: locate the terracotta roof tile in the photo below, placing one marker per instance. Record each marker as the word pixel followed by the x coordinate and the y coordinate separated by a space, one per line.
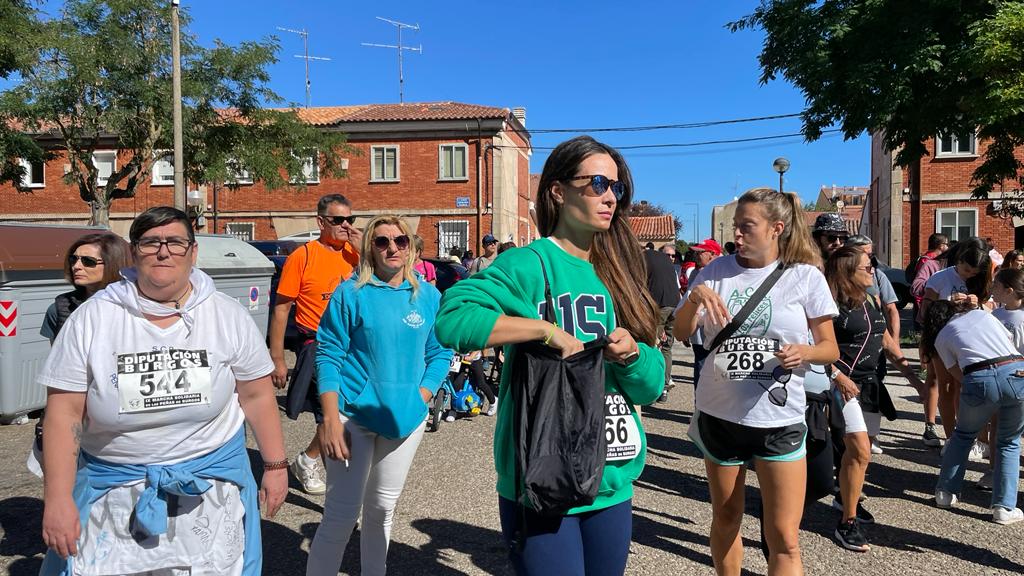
pixel 327 115
pixel 649 228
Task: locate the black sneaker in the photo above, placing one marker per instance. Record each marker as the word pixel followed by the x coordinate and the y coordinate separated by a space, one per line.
pixel 663 398
pixel 863 516
pixel 850 537
pixel 930 438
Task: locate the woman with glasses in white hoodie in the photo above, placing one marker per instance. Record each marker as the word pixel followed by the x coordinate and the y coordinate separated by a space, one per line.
pixel 149 386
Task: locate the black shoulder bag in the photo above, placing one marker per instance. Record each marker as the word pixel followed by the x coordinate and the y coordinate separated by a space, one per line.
pixel 558 424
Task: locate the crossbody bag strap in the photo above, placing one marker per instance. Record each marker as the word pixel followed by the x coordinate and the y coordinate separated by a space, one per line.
pixel 748 308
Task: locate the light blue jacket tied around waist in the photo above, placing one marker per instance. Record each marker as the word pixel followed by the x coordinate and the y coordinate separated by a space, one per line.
pixel 229 463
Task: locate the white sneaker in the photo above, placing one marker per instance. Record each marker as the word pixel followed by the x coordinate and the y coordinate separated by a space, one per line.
pixel 875 448
pixel 492 409
pixel 1006 516
pixel 977 453
pixel 308 472
pixel 450 417
pixel 945 500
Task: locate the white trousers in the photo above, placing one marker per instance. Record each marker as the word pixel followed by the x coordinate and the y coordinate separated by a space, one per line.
pixel 372 481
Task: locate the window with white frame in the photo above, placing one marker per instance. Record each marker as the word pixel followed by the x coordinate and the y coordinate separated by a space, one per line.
pixel 956 145
pixel 452 158
pixel 237 174
pixel 310 168
pixel 244 231
pixel 106 163
pixel 384 163
pixel 163 168
pixel 34 174
pixel 452 234
pixel 957 223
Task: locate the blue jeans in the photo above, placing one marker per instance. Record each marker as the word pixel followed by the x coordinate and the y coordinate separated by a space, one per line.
pixel 982 394
pixel 588 544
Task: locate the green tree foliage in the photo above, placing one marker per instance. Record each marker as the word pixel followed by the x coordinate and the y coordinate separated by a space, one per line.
pixel 103 81
pixel 908 70
pixel 19 36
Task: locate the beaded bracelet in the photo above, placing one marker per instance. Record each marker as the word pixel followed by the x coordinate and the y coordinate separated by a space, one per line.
pixel 276 465
pixel 547 339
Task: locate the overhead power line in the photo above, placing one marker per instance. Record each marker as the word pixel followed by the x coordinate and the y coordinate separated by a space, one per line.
pixel 692 144
pixel 663 126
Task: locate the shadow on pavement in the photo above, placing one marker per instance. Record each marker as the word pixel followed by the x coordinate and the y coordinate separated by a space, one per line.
pixel 485 548
pixel 21 519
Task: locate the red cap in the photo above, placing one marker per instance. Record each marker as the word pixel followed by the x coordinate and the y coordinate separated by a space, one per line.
pixel 708 245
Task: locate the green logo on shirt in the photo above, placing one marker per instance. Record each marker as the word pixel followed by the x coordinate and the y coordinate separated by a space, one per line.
pixel 759 320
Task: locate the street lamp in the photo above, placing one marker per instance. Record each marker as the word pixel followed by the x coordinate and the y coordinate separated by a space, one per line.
pixel 780 165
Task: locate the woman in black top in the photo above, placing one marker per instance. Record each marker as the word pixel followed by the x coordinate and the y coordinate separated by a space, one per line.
pixel 861 336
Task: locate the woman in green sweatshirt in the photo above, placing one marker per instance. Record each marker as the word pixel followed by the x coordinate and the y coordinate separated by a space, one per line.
pixel 583 199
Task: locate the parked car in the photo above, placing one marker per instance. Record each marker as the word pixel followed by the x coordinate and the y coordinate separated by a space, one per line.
pixel 448 273
pixel 898 278
pixel 277 251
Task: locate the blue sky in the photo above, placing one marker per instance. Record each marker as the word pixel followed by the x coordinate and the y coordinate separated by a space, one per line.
pixel 572 65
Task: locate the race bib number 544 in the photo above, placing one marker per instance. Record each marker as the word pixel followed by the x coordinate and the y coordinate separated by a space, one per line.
pixel 163 379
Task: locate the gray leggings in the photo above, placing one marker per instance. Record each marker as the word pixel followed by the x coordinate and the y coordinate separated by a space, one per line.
pixel 372 481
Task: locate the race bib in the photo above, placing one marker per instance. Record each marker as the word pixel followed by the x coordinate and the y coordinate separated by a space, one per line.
pixel 748 358
pixel 163 379
pixel 620 429
pixel 456 364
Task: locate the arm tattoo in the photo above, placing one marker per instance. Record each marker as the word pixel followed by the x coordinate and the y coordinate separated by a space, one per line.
pixel 76 434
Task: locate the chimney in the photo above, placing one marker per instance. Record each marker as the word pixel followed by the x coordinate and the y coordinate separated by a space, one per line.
pixel 520 114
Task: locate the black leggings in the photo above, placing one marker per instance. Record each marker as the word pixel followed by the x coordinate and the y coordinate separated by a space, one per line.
pixel 478 381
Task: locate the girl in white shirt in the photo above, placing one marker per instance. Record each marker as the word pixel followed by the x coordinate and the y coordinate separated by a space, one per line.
pixel 975 349
pixel 968 282
pixel 750 400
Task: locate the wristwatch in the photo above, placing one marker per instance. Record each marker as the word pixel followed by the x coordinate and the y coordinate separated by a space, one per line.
pixel 834 373
pixel 632 357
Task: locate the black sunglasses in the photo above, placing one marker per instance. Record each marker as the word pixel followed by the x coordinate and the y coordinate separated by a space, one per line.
pixel 339 220
pixel 777 395
pixel 383 242
pixel 87 261
pixel 600 184
pixel 830 238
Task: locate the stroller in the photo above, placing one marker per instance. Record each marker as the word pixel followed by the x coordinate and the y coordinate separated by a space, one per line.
pixel 465 400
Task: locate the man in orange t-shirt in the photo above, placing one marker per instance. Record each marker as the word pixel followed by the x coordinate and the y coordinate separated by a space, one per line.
pixel 308 278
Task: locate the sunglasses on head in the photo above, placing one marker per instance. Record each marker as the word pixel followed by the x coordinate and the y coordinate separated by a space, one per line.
pixel 87 261
pixel 383 242
pixel 600 184
pixel 339 220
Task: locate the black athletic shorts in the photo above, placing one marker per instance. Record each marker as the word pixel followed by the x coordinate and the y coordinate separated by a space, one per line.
pixel 729 444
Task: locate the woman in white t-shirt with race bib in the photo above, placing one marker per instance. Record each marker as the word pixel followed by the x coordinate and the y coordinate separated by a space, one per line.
pixel 750 400
pixel 150 383
pixel 966 282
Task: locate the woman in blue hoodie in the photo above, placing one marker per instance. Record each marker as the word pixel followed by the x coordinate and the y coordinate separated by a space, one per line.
pixel 378 366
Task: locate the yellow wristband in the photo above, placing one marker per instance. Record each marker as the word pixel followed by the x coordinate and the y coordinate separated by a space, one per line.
pixel 547 339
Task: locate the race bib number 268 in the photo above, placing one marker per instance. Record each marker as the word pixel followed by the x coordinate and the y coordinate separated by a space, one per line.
pixel 163 379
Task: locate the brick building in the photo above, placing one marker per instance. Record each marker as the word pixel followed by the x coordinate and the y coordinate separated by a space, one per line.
pixel 907 204
pixel 455 171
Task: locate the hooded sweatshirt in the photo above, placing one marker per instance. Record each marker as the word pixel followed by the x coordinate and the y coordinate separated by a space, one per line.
pixel 376 348
pixel 514 286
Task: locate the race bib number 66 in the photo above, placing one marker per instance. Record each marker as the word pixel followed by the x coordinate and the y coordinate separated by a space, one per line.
pixel 620 429
pixel 163 379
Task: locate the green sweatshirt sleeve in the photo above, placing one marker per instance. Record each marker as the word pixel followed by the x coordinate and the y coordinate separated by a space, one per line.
pixel 470 308
pixel 643 380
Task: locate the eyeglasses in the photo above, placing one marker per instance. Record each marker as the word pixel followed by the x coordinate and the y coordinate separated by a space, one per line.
pixel 339 220
pixel 867 268
pixel 87 261
pixel 383 242
pixel 175 246
pixel 600 185
pixel 831 238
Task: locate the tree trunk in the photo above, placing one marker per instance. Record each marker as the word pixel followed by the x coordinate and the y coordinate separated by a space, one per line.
pixel 100 215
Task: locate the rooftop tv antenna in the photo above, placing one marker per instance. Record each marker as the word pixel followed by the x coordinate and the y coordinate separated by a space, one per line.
pixel 305 54
pixel 399 48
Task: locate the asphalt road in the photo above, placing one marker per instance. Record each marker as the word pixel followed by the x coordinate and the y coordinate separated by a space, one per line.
pixel 447 520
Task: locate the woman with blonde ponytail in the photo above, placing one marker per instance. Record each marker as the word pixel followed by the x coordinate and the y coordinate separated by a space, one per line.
pixel 750 398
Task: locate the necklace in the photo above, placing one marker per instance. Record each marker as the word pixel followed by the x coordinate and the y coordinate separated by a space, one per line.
pixel 176 301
